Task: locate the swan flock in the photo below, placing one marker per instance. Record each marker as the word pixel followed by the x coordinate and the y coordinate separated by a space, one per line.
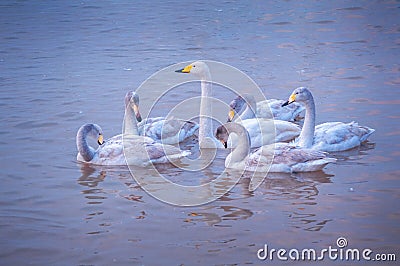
pixel 263 136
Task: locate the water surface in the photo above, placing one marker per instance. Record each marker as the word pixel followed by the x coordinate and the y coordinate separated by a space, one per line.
pixel 66 63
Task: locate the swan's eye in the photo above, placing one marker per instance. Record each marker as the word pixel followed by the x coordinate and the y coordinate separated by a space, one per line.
pixel 194 66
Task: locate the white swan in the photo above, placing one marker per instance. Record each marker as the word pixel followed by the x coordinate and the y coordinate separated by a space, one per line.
pixel 261 131
pixel 206 136
pixel 160 129
pixel 330 136
pixel 278 157
pixel 272 108
pixel 127 148
pixel 266 131
pixel 167 131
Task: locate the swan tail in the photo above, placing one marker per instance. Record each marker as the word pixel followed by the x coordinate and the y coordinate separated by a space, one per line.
pixel 363 132
pixel 367 132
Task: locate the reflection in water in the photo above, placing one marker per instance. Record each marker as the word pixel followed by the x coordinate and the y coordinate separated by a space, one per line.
pixel 92 176
pixel 298 191
pixel 87 179
pixel 95 191
pixel 354 155
pixel 93 194
pixel 64 63
pixel 295 185
pixel 301 192
pixel 212 216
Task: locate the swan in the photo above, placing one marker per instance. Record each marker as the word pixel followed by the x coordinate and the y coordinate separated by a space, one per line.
pixel 266 131
pixel 278 157
pixel 329 136
pixel 206 136
pixel 167 131
pixel 162 130
pixel 261 129
pixel 127 148
pixel 272 108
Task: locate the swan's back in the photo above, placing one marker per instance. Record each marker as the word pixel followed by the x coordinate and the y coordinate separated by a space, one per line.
pixel 339 136
pixel 287 158
pixel 168 131
pixel 266 131
pixel 110 153
pixel 291 112
pixel 142 151
pixel 134 150
pixel 286 131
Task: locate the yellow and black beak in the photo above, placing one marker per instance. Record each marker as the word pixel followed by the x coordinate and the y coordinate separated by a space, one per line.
pixel 231 115
pixel 225 143
pixel 100 140
pixel 292 99
pixel 137 112
pixel 186 69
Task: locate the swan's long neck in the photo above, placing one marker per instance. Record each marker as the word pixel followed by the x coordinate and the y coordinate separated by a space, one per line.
pixel 250 110
pixel 205 129
pixel 130 123
pixel 307 133
pixel 243 148
pixel 84 149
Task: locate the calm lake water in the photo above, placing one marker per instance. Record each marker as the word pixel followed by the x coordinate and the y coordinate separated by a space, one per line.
pixel 66 63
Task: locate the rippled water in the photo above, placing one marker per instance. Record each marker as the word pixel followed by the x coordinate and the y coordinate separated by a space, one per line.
pixel 66 63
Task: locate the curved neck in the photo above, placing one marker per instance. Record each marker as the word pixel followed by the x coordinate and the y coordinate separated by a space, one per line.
pixel 130 123
pixel 243 148
pixel 251 108
pixel 307 132
pixel 84 149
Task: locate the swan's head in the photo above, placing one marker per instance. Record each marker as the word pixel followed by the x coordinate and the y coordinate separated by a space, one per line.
pixel 223 131
pixel 237 105
pixel 301 94
pixel 222 135
pixel 93 131
pixel 132 101
pixel 197 68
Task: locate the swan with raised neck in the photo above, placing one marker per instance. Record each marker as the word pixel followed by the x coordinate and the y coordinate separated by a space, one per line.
pixel 132 114
pixel 329 136
pixel 302 94
pixel 206 136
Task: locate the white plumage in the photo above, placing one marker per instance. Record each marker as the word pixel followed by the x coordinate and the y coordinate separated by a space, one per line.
pixel 206 136
pixel 124 149
pixel 262 131
pixel 167 131
pixel 266 131
pixel 272 108
pixel 330 136
pixel 127 148
pixel 278 157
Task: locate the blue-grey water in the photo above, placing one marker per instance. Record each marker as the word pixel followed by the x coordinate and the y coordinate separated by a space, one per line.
pixel 66 63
